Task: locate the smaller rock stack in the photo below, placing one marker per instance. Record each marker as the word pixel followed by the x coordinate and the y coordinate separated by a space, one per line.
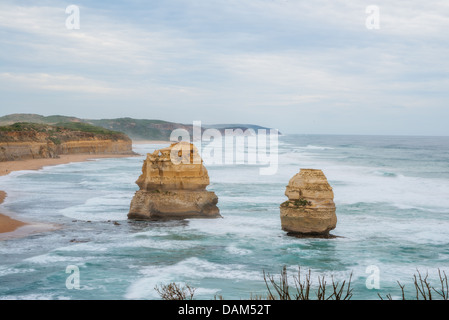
pixel 310 208
pixel 173 186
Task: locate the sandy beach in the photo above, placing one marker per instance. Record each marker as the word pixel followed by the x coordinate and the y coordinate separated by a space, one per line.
pixel 8 224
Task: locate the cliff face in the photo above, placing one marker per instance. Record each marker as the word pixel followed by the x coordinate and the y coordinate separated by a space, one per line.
pixel 310 209
pixel 42 141
pixel 174 189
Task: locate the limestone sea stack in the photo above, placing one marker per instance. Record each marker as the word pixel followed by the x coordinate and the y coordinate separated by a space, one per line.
pixel 174 187
pixel 310 208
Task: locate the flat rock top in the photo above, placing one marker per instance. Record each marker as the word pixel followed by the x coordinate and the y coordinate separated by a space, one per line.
pixel 178 153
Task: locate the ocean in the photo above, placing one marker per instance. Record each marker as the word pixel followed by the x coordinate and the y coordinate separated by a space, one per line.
pixel 391 193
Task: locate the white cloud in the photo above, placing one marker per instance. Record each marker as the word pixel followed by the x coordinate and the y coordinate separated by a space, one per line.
pixel 101 42
pixel 68 83
pixel 232 60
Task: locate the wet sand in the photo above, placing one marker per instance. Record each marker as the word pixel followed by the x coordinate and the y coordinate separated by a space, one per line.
pixel 8 224
pixel 11 228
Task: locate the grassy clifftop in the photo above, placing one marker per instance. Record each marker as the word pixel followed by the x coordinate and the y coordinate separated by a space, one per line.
pixel 60 132
pixel 34 118
pixel 142 129
pixel 137 129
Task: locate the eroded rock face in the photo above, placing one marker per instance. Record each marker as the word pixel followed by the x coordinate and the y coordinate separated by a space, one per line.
pixel 29 143
pixel 174 187
pixel 310 208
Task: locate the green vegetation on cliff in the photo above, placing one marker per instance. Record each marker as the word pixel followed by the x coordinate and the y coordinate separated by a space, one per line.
pixel 141 129
pixel 60 132
pixel 85 127
pixel 34 118
pixel 137 129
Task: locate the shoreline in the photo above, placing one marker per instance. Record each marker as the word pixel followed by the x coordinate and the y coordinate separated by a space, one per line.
pixel 8 224
pixel 6 167
pixel 12 228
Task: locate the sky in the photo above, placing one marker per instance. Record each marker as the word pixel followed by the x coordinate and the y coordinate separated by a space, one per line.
pixel 310 67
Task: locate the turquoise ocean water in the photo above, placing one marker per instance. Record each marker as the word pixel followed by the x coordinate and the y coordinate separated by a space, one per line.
pixel 392 197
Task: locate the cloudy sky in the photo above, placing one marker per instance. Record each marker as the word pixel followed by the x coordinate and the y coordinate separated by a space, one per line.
pixel 299 66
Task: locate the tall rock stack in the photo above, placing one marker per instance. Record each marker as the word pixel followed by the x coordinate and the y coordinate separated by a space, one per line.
pixel 173 186
pixel 310 208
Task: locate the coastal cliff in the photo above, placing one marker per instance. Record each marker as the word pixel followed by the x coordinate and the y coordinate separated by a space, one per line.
pixel 174 190
pixel 310 208
pixel 23 141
